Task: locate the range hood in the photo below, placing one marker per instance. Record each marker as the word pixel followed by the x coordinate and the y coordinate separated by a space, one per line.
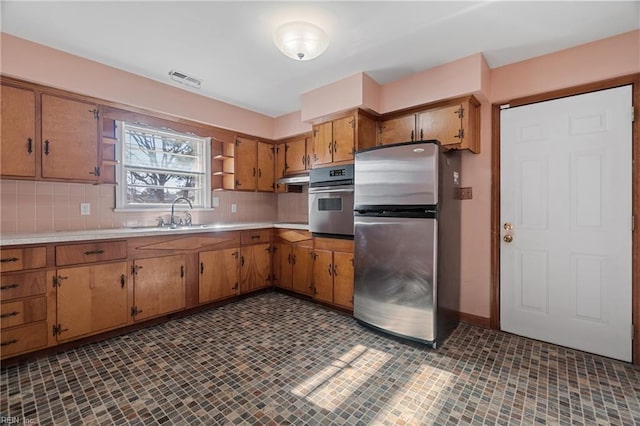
pixel 295 180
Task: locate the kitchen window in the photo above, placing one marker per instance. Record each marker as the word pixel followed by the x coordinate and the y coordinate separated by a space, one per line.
pixel 158 165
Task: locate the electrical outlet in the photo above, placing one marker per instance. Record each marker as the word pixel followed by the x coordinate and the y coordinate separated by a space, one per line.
pixel 85 209
pixel 465 193
pixel 234 208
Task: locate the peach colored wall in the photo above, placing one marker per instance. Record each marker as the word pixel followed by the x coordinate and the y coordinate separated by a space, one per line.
pixel 339 96
pixel 599 60
pixel 371 93
pixel 450 80
pixel 40 64
pixel 289 125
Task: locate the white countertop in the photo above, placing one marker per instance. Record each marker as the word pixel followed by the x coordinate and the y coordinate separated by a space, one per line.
pixel 105 234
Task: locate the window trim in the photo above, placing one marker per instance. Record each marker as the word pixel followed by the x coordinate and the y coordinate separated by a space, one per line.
pixel 121 187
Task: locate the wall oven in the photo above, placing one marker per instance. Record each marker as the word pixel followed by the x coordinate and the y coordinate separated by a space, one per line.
pixel 331 201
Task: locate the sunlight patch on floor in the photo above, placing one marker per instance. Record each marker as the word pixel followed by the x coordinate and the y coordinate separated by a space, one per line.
pixel 329 388
pixel 418 399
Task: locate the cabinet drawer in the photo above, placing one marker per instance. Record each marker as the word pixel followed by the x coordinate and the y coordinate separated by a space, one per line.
pixel 255 237
pixel 23 311
pixel 74 254
pixel 22 285
pixel 23 339
pixel 23 258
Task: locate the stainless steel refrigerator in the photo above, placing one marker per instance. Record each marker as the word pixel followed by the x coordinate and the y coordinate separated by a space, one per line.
pixel 407 240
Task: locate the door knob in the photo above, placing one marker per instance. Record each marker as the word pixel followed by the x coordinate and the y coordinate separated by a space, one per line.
pixel 507 238
pixel 507 226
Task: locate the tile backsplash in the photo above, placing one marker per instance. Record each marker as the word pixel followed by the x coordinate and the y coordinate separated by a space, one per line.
pixel 32 207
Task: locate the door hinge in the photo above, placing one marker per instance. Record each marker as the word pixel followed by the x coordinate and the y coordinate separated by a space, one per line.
pixel 633 114
pixel 95 172
pixel 135 269
pixel 57 280
pixel 95 112
pixel 135 311
pixel 460 112
pixel 460 134
pixel 57 329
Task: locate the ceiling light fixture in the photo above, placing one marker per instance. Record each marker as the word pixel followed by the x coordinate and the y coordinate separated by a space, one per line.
pixel 301 40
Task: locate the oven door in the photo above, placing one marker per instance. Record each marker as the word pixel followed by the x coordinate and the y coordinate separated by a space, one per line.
pixel 331 210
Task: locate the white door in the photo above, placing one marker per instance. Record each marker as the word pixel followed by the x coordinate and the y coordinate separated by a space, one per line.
pixel 566 195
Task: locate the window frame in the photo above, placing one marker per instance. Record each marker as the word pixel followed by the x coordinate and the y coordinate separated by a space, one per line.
pixel 122 203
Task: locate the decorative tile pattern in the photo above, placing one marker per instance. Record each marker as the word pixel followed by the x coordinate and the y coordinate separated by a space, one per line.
pixel 276 360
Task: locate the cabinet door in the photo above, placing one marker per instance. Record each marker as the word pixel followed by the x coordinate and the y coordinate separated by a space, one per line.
pixel 322 144
pixel 401 129
pixel 91 299
pixel 69 139
pixel 246 157
pixel 443 124
pixel 255 269
pixel 344 141
pixel 218 274
pixel 158 286
pixel 282 270
pixel 296 156
pixel 18 131
pixel 266 167
pixel 323 275
pixel 301 271
pixel 280 166
pixel 343 279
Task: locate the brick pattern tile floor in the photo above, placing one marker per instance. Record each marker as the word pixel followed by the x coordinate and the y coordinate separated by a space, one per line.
pixel 273 359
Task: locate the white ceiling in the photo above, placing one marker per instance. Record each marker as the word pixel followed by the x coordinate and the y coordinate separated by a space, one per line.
pixel 229 44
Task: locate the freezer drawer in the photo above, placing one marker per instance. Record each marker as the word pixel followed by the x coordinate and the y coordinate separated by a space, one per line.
pixel 395 274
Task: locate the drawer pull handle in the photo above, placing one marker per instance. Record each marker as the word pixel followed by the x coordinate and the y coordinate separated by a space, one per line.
pixel 10 314
pixel 9 342
pixel 93 252
pixel 9 287
pixel 253 237
pixel 9 259
pixel 123 280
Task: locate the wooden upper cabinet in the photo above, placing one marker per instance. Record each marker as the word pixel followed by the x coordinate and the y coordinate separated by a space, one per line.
pixel 322 144
pixel 69 139
pixel 442 124
pixel 18 132
pixel 455 123
pixel 254 165
pixel 266 167
pixel 456 126
pixel 246 157
pixel 344 138
pixel 337 141
pixel 395 130
pixel 296 156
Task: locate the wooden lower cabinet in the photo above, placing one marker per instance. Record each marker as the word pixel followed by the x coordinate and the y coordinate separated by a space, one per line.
pixel 24 310
pixel 218 274
pixel 255 267
pixel 158 286
pixel 292 260
pixel 343 279
pixel 90 299
pixel 333 271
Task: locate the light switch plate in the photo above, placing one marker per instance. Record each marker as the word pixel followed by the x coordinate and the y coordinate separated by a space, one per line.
pixel 234 208
pixel 215 202
pixel 85 209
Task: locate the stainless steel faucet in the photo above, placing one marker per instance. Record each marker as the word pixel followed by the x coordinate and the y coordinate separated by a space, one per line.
pixel 172 222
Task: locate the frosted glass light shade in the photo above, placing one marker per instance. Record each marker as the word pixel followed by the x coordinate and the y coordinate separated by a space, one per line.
pixel 301 40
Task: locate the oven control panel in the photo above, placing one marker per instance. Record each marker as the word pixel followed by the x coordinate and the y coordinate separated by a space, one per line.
pixel 331 174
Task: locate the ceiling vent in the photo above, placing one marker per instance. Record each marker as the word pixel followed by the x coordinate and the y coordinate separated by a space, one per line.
pixel 185 79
